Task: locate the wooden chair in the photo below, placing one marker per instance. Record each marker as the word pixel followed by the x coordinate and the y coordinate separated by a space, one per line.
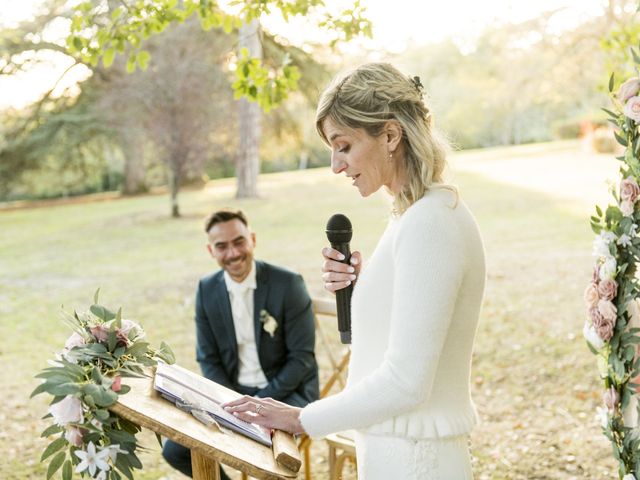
pixel 333 358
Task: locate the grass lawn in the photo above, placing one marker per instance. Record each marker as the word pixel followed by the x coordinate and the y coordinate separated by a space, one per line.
pixel 534 381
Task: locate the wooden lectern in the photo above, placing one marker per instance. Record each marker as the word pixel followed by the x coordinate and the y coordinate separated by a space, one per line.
pixel 209 446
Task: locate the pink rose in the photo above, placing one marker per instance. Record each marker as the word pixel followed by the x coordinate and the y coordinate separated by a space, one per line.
pixel 608 310
pixel 628 89
pixel 632 108
pixel 591 295
pixel 128 330
pixel 608 289
pixel 75 340
pixel 611 398
pixel 604 330
pixel 74 435
pixel 117 383
pixel 596 316
pixel 101 332
pixel 629 189
pixel 627 208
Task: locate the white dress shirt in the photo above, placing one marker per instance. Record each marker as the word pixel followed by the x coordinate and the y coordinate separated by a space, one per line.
pixel 241 296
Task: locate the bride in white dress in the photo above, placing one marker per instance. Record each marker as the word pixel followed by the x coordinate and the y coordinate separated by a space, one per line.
pixel 415 305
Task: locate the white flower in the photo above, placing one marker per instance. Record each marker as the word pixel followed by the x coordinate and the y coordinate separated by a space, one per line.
pixel 601 243
pixel 113 451
pixel 629 476
pixel 592 336
pixel 92 460
pixel 627 208
pixel 269 324
pixel 67 410
pixel 602 415
pixel 608 268
pixel 129 326
pixel 624 240
pixel 75 340
pixel 633 230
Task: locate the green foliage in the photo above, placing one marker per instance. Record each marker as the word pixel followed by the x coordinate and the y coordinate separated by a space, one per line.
pixel 89 372
pixel 254 83
pixel 96 34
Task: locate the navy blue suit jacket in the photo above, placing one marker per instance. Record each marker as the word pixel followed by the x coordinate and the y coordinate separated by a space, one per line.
pixel 287 359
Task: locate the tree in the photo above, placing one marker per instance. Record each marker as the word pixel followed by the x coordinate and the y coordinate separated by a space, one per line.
pixel 96 36
pixel 248 161
pixel 175 105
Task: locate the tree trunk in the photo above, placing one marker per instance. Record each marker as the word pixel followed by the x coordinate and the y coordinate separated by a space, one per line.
pixel 174 183
pixel 134 172
pixel 249 114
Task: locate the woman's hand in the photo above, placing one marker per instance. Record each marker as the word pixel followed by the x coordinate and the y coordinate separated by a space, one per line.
pixel 266 412
pixel 337 275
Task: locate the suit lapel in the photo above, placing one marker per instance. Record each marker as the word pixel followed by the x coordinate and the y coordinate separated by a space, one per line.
pixel 221 297
pixel 260 299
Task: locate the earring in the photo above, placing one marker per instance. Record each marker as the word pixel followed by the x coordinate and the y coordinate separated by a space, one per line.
pixel 391 156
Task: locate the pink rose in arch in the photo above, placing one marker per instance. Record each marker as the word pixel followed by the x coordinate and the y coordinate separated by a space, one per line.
pixel 591 295
pixel 611 398
pixel 604 330
pixel 628 89
pixel 596 316
pixel 629 189
pixel 632 109
pixel 608 310
pixel 608 289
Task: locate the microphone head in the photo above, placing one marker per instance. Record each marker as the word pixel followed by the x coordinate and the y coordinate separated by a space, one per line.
pixel 339 229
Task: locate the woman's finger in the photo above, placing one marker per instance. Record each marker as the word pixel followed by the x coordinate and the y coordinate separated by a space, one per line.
pixel 239 401
pixel 333 266
pixel 332 253
pixel 338 277
pixel 335 286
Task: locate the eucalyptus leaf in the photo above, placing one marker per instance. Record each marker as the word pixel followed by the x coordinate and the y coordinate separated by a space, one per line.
pixel 55 464
pixel 64 389
pixel 67 470
pixel 51 430
pixel 102 312
pixel 53 447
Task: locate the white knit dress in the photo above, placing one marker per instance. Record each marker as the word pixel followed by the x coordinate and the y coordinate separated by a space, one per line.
pixel 415 310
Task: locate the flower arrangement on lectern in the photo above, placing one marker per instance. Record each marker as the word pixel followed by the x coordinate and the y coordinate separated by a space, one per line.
pixel 85 379
pixel 611 295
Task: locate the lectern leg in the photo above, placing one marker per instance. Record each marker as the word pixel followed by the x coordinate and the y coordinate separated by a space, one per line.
pixel 204 468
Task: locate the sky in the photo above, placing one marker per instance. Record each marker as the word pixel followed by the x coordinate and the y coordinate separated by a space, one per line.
pixel 397 23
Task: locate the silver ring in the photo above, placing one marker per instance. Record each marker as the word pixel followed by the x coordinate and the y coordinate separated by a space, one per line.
pixel 259 409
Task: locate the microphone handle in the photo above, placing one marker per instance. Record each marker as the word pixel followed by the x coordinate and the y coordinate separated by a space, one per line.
pixel 343 298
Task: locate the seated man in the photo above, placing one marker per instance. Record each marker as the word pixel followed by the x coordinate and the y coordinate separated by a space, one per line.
pixel 255 330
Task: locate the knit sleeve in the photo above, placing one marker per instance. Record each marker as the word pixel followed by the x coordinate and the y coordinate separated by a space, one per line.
pixel 429 262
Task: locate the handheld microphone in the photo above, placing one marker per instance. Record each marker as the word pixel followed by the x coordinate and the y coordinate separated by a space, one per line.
pixel 339 234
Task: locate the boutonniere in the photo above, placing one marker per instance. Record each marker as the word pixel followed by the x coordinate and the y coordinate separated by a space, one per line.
pixel 269 324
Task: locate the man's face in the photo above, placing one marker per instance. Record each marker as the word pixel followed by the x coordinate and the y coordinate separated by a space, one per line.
pixel 231 244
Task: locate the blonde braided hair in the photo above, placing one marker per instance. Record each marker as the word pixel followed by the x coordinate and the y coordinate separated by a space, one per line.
pixel 368 98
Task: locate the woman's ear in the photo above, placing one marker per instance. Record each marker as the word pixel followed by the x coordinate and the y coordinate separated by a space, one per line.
pixel 393 134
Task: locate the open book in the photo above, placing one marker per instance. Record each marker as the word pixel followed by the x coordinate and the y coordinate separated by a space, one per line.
pixel 199 395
